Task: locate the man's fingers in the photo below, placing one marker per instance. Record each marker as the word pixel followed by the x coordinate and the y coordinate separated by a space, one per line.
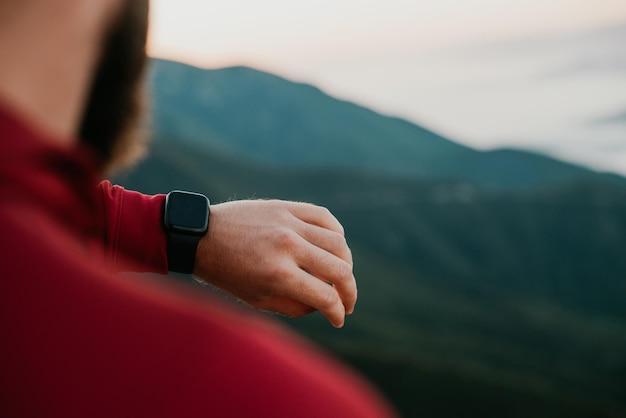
pixel 315 293
pixel 326 256
pixel 331 241
pixel 285 257
pixel 315 215
pixel 331 269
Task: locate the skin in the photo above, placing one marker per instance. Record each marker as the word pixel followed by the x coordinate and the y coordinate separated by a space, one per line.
pixel 286 257
pixel 279 256
pixel 48 50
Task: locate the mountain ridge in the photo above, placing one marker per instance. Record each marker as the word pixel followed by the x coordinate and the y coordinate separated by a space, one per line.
pixel 264 117
pixel 478 297
pixel 464 293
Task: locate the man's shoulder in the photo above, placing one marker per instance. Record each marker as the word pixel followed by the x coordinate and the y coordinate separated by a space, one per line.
pixel 158 348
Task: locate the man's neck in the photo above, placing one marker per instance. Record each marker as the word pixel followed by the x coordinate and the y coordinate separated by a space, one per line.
pixel 48 51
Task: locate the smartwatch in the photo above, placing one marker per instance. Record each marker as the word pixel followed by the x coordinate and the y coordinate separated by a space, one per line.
pixel 186 221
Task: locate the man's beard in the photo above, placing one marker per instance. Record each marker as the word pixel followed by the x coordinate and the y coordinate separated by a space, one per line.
pixel 113 124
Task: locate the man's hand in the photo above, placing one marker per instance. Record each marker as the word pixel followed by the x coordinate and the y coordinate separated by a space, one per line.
pixel 286 257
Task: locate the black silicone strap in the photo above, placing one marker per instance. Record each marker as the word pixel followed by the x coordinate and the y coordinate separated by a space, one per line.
pixel 181 252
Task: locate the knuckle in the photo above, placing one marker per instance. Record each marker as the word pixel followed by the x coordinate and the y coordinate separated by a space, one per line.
pixel 285 239
pixel 331 298
pixel 349 258
pixel 328 215
pixel 280 272
pixel 340 229
pixel 325 211
pixel 338 241
pixel 338 271
pixel 343 271
pixel 319 211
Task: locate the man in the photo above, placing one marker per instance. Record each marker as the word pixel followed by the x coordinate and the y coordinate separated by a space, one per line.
pixel 77 341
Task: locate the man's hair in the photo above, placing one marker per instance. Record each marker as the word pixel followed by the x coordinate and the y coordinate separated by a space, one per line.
pixel 114 114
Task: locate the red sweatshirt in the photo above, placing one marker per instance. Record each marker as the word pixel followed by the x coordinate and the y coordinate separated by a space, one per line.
pixel 76 341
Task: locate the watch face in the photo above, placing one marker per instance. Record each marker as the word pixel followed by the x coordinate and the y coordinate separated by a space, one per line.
pixel 187 212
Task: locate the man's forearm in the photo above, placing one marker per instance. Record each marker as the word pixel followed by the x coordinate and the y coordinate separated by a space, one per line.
pixel 286 257
pixel 131 226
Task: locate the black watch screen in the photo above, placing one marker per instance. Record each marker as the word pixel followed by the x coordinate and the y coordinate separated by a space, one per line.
pixel 186 213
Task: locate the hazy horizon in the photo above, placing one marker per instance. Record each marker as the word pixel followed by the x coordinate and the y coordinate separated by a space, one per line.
pixel 556 84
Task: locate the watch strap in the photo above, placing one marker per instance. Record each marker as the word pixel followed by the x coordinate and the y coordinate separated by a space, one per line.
pixel 181 252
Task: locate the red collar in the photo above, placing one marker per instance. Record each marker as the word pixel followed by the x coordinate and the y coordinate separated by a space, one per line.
pixel 36 173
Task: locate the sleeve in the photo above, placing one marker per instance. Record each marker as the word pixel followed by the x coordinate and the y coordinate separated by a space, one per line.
pixel 132 230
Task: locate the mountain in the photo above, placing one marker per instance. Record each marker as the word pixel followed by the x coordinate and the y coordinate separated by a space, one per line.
pixel 268 119
pixel 490 283
pixel 472 303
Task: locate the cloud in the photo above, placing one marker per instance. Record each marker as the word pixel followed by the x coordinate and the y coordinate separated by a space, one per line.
pixel 615 119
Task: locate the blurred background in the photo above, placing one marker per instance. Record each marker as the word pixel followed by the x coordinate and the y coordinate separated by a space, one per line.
pixel 474 151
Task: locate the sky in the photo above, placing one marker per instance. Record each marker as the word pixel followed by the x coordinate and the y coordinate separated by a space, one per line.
pixel 544 75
